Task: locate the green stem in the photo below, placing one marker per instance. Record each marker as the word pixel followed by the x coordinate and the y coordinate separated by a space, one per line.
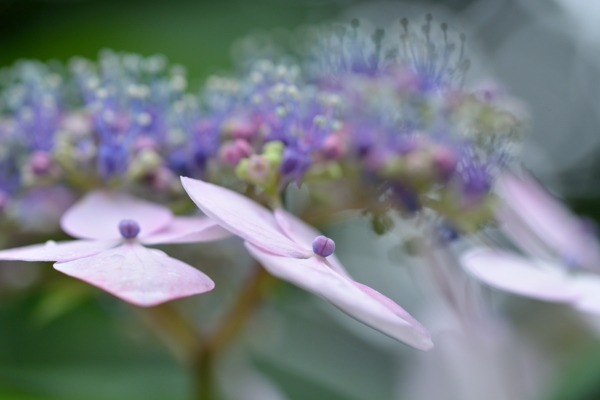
pixel 204 376
pixel 178 334
pixel 199 351
pixel 247 300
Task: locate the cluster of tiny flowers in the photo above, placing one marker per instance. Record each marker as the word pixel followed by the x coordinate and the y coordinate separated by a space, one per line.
pixel 421 138
pixel 383 111
pixel 370 119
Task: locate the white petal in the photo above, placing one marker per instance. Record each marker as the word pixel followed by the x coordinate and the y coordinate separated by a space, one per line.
pixel 358 301
pixel 588 288
pixel 537 219
pixel 97 215
pixel 58 251
pixel 188 230
pixel 515 274
pixel 138 275
pixel 243 217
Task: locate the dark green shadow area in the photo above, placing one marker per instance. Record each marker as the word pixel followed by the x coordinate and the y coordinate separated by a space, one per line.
pixel 97 351
pixel 197 34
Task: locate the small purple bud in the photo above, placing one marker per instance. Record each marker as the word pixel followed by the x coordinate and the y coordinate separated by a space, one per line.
pixel 291 160
pixel 408 199
pixel 112 159
pixel 40 162
pixel 145 142
pixel 333 147
pixel 129 228
pixel 445 161
pixel 234 151
pixel 323 246
pixel 200 157
pixel 178 163
pixel 240 128
pixel 476 186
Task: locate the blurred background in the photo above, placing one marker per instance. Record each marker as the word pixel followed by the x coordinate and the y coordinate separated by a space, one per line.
pixel 78 345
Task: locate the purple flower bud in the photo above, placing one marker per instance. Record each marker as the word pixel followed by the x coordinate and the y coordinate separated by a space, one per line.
pixel 294 163
pixel 178 163
pixel 40 162
pixel 445 161
pixel 323 246
pixel 476 185
pixel 233 152
pixel 145 142
pixel 240 128
pixel 112 159
pixel 333 147
pixel 129 228
pixel 408 199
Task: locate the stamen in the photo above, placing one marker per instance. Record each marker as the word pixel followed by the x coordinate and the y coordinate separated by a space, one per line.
pixel 129 228
pixel 323 246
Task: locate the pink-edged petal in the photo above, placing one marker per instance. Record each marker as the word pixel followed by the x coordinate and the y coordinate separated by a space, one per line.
pixel 98 213
pixel 188 230
pixel 243 217
pixel 138 275
pixel 365 305
pixel 58 251
pixel 588 288
pixel 518 275
pixel 529 209
pixel 301 232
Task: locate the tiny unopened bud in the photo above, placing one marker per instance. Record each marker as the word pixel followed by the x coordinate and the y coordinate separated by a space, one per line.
pixel 323 246
pixel 445 162
pixel 144 142
pixel 233 152
pixel 240 128
pixel 40 162
pixel 291 161
pixel 129 228
pixel 333 147
pixel 258 167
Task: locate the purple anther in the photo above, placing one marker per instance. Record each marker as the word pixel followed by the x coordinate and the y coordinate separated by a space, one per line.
pixel 323 246
pixel 129 228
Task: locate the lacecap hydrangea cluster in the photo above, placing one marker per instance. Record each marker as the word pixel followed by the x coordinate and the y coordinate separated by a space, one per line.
pixel 385 114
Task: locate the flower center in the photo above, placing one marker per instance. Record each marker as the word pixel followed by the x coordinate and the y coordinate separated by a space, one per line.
pixel 323 246
pixel 129 228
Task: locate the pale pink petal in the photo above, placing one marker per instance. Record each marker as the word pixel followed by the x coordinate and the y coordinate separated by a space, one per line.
pixel 188 230
pixel 529 209
pixel 304 234
pixel 518 275
pixel 98 213
pixel 393 307
pixel 366 306
pixel 588 288
pixel 58 251
pixel 243 217
pixel 138 275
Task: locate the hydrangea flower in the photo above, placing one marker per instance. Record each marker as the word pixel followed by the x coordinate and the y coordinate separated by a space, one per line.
pixel 296 252
pixel 112 229
pixel 561 254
